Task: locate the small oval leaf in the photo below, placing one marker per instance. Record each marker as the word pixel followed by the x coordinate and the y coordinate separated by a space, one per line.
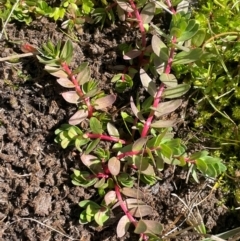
pixel 141 211
pixel 188 57
pixel 84 73
pixel 132 192
pixel 148 83
pixel 104 102
pixel 114 166
pixel 167 107
pixel 55 71
pixel 132 54
pixel 175 92
pixel 78 117
pixel 71 97
pixel 65 82
pixel 141 227
pixel 112 130
pixel 139 143
pixel 153 227
pixel 148 12
pixel 123 226
pixel 110 197
pixel 163 123
pixel 135 110
pixel 159 48
pixel 125 6
pixel 168 79
pixel 88 160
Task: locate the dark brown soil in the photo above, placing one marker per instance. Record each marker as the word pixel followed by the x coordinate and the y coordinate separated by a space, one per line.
pixel 37 199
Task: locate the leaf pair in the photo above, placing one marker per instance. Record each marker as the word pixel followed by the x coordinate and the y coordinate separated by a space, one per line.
pixel 93 211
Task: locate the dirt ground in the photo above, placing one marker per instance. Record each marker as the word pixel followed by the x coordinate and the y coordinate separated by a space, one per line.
pixel 37 199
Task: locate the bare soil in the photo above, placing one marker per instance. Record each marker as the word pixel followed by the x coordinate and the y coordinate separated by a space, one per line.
pixel 37 199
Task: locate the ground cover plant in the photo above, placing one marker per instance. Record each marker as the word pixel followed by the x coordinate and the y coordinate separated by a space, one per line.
pixel 124 149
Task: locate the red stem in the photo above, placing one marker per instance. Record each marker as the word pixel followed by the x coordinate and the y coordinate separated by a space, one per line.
pixel 170 6
pixel 156 101
pixel 125 210
pixel 104 137
pixel 157 98
pixel 140 23
pixel 78 89
pixel 132 153
pixel 123 206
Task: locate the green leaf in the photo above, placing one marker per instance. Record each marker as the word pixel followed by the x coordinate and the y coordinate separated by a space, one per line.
pixel 83 73
pixel 159 163
pixel 81 142
pixel 175 92
pixel 167 107
pixel 141 227
pixel 148 83
pixel 188 57
pixel 135 110
pixel 147 103
pixel 198 39
pixel 84 218
pixel 95 126
pixel 65 143
pixel 67 52
pixel 142 163
pixel 153 227
pixel 125 81
pixel 201 165
pixel 190 31
pixel 159 48
pixel 139 144
pixel 148 179
pixel 198 155
pixel 72 132
pixel 148 12
pixel 102 216
pixel 92 208
pixel 85 203
pixel 125 180
pixel 92 145
pixel 112 130
pixel 166 150
pixel 169 80
pixel 100 183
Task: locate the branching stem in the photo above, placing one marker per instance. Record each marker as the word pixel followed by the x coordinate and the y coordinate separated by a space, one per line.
pixel 78 89
pixel 158 96
pixel 104 137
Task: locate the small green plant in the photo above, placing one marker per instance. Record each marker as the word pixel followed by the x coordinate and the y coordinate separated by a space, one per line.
pixel 115 170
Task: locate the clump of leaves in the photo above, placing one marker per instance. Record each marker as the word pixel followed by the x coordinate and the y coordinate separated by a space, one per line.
pixel 150 145
pixel 216 79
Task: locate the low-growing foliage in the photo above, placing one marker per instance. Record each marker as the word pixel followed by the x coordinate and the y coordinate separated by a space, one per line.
pixel 150 144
